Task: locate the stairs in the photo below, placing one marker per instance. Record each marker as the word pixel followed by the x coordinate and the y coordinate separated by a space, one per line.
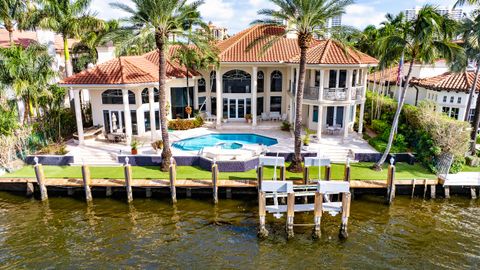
pixel 93 156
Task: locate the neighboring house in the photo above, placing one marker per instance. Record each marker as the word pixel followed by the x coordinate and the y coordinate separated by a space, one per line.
pixel 124 96
pixel 386 81
pixel 449 92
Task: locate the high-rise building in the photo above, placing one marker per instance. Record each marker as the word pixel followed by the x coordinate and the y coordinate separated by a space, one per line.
pixel 455 14
pixel 335 21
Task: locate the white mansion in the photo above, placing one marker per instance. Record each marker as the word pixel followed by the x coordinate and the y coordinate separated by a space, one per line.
pixel 124 95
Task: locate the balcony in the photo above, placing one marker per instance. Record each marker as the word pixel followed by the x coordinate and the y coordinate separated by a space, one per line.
pixel 311 93
pixel 335 94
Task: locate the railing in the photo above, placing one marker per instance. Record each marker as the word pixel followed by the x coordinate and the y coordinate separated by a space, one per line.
pixel 335 94
pixel 311 93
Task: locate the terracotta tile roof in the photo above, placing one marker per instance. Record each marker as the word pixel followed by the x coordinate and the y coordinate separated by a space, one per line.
pixel 25 38
pixel 388 75
pixel 449 81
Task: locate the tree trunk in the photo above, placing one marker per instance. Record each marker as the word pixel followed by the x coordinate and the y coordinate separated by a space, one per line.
pixel 476 117
pixel 10 36
pixel 68 71
pixel 188 92
pixel 472 92
pixel 393 130
pixel 162 74
pixel 296 165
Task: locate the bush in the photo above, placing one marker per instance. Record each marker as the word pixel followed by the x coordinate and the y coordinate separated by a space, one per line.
pixel 185 124
pixel 286 126
pixel 472 161
pixel 381 126
pixel 53 149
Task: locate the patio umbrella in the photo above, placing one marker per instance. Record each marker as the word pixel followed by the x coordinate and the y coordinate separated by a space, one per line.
pixel 114 122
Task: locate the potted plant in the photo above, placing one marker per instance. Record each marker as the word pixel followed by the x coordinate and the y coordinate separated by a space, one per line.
pixel 188 111
pixel 134 146
pixel 225 119
pixel 306 140
pixel 248 118
pixel 157 145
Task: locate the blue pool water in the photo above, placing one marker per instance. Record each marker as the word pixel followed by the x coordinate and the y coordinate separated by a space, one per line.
pixel 227 141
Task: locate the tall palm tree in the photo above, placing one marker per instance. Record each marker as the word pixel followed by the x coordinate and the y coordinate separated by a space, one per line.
pixel 163 19
pixel 69 18
pixel 188 58
pixel 12 12
pixel 28 72
pixel 422 40
pixel 306 19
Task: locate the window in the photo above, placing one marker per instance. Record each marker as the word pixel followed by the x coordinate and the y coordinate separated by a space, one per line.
pixel 276 81
pixel 259 106
pixel 317 77
pixel 459 100
pixel 471 114
pixel 146 117
pixel 315 114
pixel 202 105
pixel 236 81
pixel 145 95
pixel 213 81
pixel 115 96
pixel 354 78
pixel 213 102
pixel 275 104
pixel 454 113
pixel 260 81
pixel 332 79
pixel 342 80
pixel 452 99
pixel 444 98
pixel 179 100
pixel 201 85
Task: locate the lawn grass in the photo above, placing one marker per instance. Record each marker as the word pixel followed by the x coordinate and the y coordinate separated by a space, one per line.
pixel 467 168
pixel 359 171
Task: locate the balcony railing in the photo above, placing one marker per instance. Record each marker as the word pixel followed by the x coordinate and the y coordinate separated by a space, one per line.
pixel 311 93
pixel 335 94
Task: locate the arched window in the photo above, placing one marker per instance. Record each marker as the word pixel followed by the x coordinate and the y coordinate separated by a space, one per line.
pixel 260 81
pixel 201 85
pixel 145 95
pixel 236 81
pixel 213 81
pixel 115 96
pixel 276 81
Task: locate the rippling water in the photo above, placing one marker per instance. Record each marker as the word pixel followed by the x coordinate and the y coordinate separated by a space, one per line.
pixel 66 233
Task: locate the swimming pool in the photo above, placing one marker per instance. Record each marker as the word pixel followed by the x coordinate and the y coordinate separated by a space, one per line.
pixel 226 141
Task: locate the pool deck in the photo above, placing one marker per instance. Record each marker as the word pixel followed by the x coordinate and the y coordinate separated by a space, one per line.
pixel 334 147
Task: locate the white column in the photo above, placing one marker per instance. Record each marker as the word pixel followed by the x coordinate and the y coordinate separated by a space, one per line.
pixel 78 115
pixel 151 101
pixel 195 94
pixel 349 84
pixel 254 96
pixel 312 78
pixel 320 122
pixel 219 98
pixel 360 118
pixel 346 118
pixel 128 117
pixel 322 85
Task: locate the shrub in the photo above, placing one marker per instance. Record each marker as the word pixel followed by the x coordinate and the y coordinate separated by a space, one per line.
pixel 381 126
pixel 185 124
pixel 286 126
pixel 54 149
pixel 472 161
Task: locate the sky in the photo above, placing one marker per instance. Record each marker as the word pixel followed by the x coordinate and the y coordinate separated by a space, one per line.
pixel 236 15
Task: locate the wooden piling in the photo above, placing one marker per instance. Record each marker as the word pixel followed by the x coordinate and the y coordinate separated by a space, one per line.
pixel 346 174
pixel 391 184
pixel 86 182
pixel 424 188
pixel 41 182
pixel 30 189
pixel 70 191
pixel 290 214
pixel 413 187
pixel 447 192
pixel 262 231
pixel 228 193
pixel 433 191
pixel 328 172
pixel 128 182
pixel 109 191
pixel 283 173
pixel 306 175
pixel 346 200
pixel 148 192
pixel 173 179
pixel 317 214
pixel 189 192
pixel 473 192
pixel 215 183
pixel 259 177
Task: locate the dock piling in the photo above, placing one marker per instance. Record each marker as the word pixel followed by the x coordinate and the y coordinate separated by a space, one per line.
pixel 228 193
pixel 473 192
pixel 108 191
pixel 317 214
pixel 215 182
pixel 173 178
pixel 283 173
pixel 30 189
pixel 346 200
pixel 86 182
pixel 424 188
pixel 148 192
pixel 41 180
pixel 433 191
pixel 259 177
pixel 262 231
pixel 447 192
pixel 413 187
pixel 328 172
pixel 128 180
pixel 290 214
pixel 306 175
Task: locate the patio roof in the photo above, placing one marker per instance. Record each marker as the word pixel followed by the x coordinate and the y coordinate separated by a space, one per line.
pixel 461 82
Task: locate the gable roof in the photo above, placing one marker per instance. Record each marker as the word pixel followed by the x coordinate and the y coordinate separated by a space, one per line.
pixel 461 82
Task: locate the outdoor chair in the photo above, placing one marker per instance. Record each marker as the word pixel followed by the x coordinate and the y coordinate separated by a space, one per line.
pixel 284 117
pixel 110 137
pixel 265 116
pixel 275 116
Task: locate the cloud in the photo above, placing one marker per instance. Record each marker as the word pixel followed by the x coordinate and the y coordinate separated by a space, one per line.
pixel 360 16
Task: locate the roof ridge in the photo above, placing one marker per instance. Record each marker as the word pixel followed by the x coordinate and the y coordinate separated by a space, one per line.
pixel 121 69
pixel 324 53
pixel 244 33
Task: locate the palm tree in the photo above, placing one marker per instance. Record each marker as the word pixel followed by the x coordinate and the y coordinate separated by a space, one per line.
pixel 421 40
pixel 12 12
pixel 187 57
pixel 161 20
pixel 28 72
pixel 306 19
pixel 69 18
pixel 463 2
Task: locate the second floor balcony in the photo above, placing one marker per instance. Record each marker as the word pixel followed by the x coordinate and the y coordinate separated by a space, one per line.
pixel 333 94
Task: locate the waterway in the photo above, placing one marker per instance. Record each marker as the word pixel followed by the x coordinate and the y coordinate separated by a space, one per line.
pixel 194 234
